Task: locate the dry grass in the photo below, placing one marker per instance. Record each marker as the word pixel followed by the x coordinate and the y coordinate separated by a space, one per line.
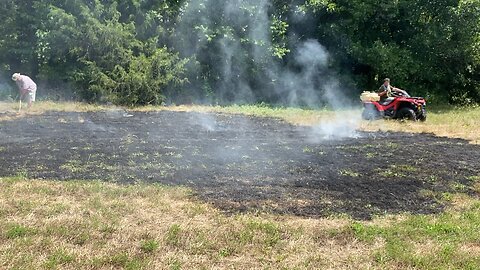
pixel 9 110
pixel 470 248
pixel 43 106
pixel 95 225
pixel 76 225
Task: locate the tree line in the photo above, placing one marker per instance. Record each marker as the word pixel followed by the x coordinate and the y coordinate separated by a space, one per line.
pixel 138 52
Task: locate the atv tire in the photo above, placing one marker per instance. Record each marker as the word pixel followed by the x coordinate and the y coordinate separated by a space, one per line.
pixel 422 117
pixel 407 113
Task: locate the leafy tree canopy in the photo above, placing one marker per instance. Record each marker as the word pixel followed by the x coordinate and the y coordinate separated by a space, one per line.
pixel 136 52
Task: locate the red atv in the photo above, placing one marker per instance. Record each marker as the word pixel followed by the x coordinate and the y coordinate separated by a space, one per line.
pixel 398 107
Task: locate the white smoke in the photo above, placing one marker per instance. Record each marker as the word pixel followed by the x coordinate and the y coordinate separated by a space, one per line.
pixel 313 60
pixel 206 121
pixel 5 88
pixel 342 126
pixel 301 88
pixel 307 82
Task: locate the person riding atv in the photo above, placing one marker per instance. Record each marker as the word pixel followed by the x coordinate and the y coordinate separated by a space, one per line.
pixel 388 92
pixel 392 103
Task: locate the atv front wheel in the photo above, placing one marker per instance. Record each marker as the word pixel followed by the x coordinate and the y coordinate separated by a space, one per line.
pixel 422 117
pixel 406 113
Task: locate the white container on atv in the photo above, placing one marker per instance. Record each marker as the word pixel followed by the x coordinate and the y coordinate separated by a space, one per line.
pixel 369 96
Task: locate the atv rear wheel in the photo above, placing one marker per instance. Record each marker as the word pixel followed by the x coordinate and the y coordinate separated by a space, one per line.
pixel 406 113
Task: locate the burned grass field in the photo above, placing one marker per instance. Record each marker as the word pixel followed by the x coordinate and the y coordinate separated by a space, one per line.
pixel 245 164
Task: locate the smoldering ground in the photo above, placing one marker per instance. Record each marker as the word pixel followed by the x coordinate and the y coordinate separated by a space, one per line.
pixel 269 166
pixel 244 163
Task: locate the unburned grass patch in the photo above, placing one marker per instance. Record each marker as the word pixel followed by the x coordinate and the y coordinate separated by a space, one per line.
pixel 58 258
pixel 149 246
pixel 425 241
pixel 95 225
pixel 85 225
pixel 172 236
pixel 474 178
pixel 15 231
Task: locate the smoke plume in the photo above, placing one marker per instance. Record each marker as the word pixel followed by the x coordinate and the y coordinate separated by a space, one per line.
pixel 235 36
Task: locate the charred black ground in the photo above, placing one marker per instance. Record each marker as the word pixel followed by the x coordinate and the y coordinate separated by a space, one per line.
pixel 241 163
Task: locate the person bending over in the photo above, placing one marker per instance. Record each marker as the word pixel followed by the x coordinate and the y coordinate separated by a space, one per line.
pixel 26 86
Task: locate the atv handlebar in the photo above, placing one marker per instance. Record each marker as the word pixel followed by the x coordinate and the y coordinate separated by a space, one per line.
pixel 399 93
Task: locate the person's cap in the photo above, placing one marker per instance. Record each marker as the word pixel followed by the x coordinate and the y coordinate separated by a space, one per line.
pixel 386 80
pixel 15 76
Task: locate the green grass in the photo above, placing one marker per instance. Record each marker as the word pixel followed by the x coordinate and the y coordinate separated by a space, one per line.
pixel 349 173
pixel 393 171
pixel 475 178
pixel 173 235
pixel 149 246
pixel 16 231
pixel 445 241
pixel 58 258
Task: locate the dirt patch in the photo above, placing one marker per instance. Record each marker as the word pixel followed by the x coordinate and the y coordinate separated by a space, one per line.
pixel 241 163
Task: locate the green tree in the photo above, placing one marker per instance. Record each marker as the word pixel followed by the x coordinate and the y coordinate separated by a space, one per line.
pixel 425 46
pixel 148 51
pixel 18 35
pixel 90 46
